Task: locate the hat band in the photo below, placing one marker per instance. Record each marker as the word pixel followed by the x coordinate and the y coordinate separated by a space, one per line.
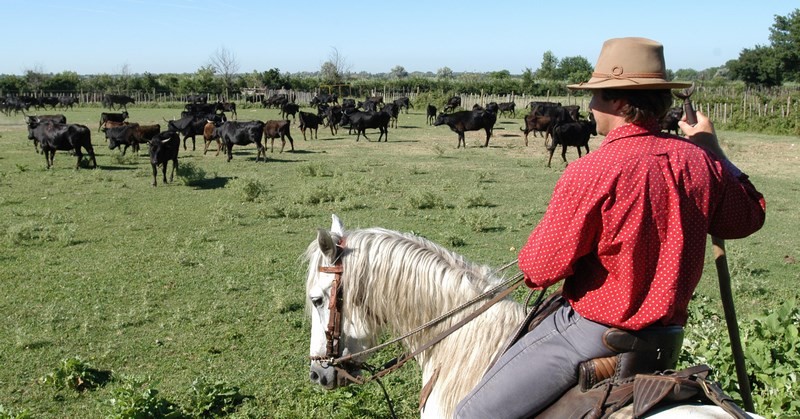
pixel 628 76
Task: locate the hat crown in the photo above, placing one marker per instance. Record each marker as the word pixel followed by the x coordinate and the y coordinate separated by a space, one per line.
pixel 631 57
pixel 630 63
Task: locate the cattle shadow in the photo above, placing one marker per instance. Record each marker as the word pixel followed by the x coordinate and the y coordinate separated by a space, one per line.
pixel 408 127
pixel 216 182
pixel 508 122
pixel 116 168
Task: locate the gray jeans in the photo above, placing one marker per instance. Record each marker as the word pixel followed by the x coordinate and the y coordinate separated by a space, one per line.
pixel 537 369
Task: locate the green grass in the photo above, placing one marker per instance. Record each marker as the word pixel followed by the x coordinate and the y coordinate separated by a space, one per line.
pixel 201 279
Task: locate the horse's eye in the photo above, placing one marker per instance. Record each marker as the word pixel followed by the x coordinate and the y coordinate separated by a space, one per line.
pixel 317 301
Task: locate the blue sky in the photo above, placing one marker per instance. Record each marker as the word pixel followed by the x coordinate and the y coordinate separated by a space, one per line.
pixel 181 36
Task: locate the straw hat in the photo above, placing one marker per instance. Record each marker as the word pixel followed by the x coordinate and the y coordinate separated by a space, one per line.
pixel 630 63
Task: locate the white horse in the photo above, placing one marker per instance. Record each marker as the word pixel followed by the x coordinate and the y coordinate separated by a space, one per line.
pixel 394 282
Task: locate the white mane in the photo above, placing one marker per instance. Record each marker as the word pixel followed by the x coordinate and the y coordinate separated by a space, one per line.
pixel 397 282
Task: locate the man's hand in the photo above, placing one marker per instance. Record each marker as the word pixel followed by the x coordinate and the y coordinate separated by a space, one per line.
pixel 702 134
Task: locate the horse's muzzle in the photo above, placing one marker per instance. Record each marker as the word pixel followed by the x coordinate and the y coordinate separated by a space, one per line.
pixel 331 377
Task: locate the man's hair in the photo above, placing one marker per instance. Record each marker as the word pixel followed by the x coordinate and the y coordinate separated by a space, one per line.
pixel 642 104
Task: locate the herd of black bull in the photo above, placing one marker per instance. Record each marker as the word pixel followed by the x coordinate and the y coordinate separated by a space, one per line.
pixel 53 133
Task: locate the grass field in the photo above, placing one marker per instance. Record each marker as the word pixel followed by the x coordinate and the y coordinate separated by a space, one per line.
pixel 175 286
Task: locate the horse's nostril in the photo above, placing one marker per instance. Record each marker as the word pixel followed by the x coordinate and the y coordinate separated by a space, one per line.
pixel 314 376
pixel 323 381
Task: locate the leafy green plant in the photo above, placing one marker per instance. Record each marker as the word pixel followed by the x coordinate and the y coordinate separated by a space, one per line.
pixel 6 413
pixel 190 174
pixel 126 159
pixel 76 374
pixel 251 189
pixel 477 200
pixel 425 200
pixel 135 400
pixel 772 350
pixel 315 170
pixel 211 399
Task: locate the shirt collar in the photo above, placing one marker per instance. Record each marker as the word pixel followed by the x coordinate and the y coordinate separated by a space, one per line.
pixel 633 129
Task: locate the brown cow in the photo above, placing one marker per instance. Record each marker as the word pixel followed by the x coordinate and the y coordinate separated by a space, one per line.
pixel 274 129
pixel 537 123
pixel 209 134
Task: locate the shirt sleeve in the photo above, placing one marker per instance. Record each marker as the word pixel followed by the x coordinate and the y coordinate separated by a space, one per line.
pixel 741 210
pixel 568 231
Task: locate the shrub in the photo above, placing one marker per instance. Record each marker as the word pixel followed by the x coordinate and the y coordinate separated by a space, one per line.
pixel 134 400
pixel 190 174
pixel 76 374
pixel 213 399
pixel 425 200
pixel 250 189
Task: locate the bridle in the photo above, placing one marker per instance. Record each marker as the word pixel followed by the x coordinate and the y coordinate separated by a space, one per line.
pixel 344 364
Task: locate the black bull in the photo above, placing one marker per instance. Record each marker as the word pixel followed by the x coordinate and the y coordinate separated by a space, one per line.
pixel 54 136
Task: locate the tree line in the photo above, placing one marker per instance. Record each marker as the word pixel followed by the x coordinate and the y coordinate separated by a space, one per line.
pixel 760 66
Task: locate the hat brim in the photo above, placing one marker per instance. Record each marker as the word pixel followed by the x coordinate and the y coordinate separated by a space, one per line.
pixel 628 83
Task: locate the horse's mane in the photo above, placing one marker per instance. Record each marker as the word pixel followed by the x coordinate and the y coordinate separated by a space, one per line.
pixel 396 282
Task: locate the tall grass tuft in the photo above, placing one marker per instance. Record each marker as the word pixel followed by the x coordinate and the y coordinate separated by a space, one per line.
pixel 190 174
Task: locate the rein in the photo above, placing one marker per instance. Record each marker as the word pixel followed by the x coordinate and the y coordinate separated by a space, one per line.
pixel 334 357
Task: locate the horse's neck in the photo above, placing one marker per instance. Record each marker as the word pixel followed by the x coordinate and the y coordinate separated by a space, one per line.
pixel 460 360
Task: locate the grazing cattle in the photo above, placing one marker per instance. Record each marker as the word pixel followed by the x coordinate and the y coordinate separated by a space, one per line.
pixel 574 134
pixel 241 134
pixel 196 98
pixel 289 109
pixel 360 121
pixel 377 100
pixel 199 109
pixel 393 111
pixel 452 103
pixel 463 121
pixel 310 121
pixel 431 112
pixel 54 136
pixel 210 133
pixel 333 115
pixel 349 104
pixel 114 117
pixel 124 135
pixel 537 123
pixel 227 107
pixel 121 101
pixel 533 105
pixel 670 121
pixel 324 98
pixel 507 108
pixel 111 124
pixel 130 135
pixel 67 101
pixel 275 129
pixel 191 126
pixel 163 148
pixel 44 102
pixel 403 102
pixel 144 133
pixel 574 112
pixel 277 100
pixel 32 119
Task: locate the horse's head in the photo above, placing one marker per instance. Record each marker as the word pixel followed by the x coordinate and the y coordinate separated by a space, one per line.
pixel 345 334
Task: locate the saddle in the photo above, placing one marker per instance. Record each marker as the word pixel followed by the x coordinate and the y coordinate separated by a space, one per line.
pixel 642 373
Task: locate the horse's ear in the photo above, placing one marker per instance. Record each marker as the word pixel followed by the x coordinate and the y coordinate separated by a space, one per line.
pixel 326 245
pixel 336 226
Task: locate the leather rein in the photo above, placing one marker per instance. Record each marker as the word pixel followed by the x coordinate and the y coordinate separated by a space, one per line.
pixel 333 356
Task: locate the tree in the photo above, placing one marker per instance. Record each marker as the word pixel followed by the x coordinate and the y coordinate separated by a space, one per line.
pixel 224 63
pixel 785 38
pixel 500 75
pixel 686 74
pixel 575 69
pixel 549 68
pixel 444 73
pixel 398 72
pixel 35 77
pixel 333 71
pixel 757 66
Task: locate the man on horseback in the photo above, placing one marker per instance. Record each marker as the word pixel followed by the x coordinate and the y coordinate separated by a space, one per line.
pixel 626 229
